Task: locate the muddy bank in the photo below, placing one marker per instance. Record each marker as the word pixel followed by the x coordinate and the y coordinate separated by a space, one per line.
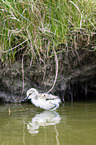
pixel 76 76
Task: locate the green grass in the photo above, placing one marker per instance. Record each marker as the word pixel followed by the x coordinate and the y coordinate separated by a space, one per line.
pixel 34 27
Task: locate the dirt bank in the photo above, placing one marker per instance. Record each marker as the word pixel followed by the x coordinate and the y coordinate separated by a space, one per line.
pixel 76 74
pixel 74 70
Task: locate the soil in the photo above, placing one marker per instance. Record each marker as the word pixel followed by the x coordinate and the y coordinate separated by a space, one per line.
pixel 76 74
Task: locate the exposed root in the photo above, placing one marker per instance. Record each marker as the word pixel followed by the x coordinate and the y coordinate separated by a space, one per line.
pixel 56 61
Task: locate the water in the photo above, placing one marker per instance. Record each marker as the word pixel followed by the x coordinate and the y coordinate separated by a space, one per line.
pixel 71 124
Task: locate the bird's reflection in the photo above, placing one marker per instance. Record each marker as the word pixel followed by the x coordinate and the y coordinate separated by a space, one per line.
pixel 45 118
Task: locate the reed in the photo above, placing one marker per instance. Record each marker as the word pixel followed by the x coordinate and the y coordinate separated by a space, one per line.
pixel 33 27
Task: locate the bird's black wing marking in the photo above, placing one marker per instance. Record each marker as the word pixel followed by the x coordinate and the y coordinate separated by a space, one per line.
pixel 50 99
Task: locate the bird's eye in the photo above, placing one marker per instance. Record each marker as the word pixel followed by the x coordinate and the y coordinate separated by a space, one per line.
pixel 29 94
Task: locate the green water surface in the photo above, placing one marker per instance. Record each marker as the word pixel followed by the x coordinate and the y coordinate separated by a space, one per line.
pixel 70 124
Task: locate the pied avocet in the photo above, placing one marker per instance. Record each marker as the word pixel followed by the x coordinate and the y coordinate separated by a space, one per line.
pixel 43 100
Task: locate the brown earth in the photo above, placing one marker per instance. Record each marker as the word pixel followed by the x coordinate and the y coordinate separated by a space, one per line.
pixel 76 73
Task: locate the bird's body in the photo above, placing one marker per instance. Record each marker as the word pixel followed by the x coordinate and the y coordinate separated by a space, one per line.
pixel 43 100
